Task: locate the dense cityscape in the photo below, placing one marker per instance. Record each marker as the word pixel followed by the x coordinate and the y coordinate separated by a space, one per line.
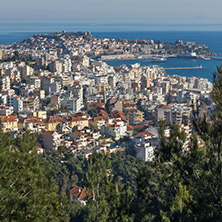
pixel 82 104
pixel 59 88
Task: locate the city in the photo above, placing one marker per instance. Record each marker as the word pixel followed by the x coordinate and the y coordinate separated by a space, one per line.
pixel 94 142
pixel 78 102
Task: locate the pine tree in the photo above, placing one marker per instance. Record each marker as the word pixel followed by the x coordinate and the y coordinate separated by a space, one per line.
pixel 27 191
pixel 96 180
pixel 107 200
pixel 208 171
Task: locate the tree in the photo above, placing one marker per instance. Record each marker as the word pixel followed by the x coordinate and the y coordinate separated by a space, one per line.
pixel 209 174
pixel 16 56
pixel 27 191
pixel 172 148
pixel 96 180
pixel 107 200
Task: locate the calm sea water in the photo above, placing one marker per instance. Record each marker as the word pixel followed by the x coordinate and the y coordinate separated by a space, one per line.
pixel 17 31
pixel 209 66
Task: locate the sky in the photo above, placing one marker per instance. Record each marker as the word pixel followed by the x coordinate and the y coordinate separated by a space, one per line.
pixel 114 11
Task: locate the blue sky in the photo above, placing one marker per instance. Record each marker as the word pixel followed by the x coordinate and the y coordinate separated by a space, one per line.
pixel 147 11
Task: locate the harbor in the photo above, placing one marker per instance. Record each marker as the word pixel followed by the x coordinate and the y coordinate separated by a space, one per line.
pixel 184 67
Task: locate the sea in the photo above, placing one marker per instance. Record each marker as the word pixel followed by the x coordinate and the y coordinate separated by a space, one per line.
pixel 17 31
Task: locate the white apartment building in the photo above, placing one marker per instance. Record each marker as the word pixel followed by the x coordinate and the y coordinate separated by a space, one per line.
pixel 51 140
pixel 145 151
pixel 117 130
pixel 72 104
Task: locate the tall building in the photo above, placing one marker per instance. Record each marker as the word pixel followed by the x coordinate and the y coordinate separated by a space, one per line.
pixel 85 61
pixel 5 83
pixel 67 64
pixel 112 80
pixel 145 82
pixel 54 87
pixel 17 104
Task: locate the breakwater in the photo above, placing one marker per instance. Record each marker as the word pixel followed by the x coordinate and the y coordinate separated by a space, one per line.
pixel 175 68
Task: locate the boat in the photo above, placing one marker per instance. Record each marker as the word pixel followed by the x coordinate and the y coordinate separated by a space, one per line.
pixel 159 59
pixel 187 55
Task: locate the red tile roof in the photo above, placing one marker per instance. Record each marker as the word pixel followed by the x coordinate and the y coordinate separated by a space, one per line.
pixel 129 104
pixel 112 125
pixel 161 106
pixel 143 134
pixel 49 133
pixel 97 104
pixel 55 119
pixel 104 114
pixel 31 98
pixel 79 133
pixel 33 119
pixel 78 192
pixel 97 118
pixel 80 114
pixel 129 110
pixel 129 127
pixel 9 119
pixel 118 114
pixel 75 119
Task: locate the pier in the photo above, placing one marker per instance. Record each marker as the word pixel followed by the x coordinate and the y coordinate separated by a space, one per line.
pixel 196 67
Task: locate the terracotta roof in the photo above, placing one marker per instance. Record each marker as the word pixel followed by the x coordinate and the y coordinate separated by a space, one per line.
pixel 146 134
pixel 31 98
pixel 55 119
pixel 79 133
pixel 97 118
pixel 9 119
pixel 129 110
pixel 138 126
pixel 78 192
pixel 33 119
pixel 129 127
pixel 80 114
pixel 49 133
pixel 161 106
pixel 112 125
pixel 118 114
pixel 90 138
pixel 75 119
pixel 129 104
pixel 104 114
pixel 97 104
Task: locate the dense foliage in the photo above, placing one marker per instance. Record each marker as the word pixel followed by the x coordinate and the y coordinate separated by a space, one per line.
pixel 27 190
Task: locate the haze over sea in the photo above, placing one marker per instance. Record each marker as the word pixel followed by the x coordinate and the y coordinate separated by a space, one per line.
pixel 210 35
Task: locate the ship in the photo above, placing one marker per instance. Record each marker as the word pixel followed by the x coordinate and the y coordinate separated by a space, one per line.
pixel 187 55
pixel 159 59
